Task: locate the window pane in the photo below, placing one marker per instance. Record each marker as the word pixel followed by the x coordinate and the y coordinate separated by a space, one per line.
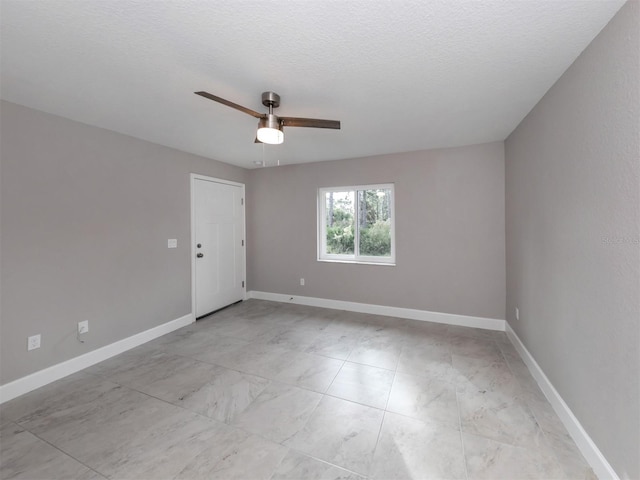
pixel 374 214
pixel 340 208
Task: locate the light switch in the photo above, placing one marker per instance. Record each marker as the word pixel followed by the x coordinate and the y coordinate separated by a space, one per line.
pixel 172 243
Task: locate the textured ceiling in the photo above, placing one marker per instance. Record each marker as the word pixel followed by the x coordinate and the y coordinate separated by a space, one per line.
pixel 401 75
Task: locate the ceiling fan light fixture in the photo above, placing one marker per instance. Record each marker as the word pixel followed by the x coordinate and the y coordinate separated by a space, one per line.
pixel 270 131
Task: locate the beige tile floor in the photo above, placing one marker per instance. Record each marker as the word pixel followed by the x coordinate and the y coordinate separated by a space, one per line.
pixel 265 390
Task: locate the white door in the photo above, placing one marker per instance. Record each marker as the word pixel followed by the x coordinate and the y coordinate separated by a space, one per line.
pixel 218 244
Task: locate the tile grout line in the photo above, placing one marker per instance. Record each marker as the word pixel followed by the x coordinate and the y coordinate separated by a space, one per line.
pixel 58 449
pixel 464 455
pixel 384 414
pixel 327 462
pixel 545 434
pixel 107 377
pixel 531 410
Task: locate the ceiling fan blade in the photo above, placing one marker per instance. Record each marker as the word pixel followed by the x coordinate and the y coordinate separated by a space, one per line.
pixel 230 104
pixel 309 122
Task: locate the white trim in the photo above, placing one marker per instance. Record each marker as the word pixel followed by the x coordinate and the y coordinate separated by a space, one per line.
pixel 51 374
pixel 356 262
pixel 588 448
pixel 412 314
pixel 373 186
pixel 192 178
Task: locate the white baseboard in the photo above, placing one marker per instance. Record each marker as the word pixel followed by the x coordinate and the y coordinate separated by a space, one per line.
pixel 51 374
pixel 588 448
pixel 412 314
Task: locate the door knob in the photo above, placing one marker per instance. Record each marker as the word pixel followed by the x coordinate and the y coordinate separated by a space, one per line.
pixel 200 255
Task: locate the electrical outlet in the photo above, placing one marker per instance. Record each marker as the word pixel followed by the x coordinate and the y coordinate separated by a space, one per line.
pixel 517 313
pixel 33 342
pixel 172 243
pixel 302 282
pixel 83 327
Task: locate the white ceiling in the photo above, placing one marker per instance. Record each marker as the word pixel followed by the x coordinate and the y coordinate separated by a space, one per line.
pixel 401 75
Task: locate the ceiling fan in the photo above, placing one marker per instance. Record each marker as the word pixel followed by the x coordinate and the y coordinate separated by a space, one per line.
pixel 270 126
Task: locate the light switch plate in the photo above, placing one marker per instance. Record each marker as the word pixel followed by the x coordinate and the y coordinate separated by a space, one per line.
pixel 33 342
pixel 172 243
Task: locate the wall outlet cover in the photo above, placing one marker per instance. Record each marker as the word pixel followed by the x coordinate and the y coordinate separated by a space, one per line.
pixel 172 243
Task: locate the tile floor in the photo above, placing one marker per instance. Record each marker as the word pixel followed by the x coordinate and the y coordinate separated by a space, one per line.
pixel 264 390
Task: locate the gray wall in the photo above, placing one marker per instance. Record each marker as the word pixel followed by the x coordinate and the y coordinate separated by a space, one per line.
pixel 573 238
pixel 450 249
pixel 86 214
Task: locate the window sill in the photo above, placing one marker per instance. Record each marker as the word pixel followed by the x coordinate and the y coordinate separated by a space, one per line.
pixel 356 262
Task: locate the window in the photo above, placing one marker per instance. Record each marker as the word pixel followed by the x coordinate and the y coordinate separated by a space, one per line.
pixel 356 224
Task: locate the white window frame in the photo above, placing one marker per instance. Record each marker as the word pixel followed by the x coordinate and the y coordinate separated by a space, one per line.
pixel 356 258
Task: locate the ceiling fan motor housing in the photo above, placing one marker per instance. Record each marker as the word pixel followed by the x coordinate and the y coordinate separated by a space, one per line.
pixel 270 99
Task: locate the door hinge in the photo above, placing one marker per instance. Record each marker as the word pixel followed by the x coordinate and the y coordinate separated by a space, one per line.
pixel 242 283
pixel 242 201
pixel 242 243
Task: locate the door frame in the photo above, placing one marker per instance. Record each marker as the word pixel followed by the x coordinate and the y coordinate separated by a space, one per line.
pixel 192 180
